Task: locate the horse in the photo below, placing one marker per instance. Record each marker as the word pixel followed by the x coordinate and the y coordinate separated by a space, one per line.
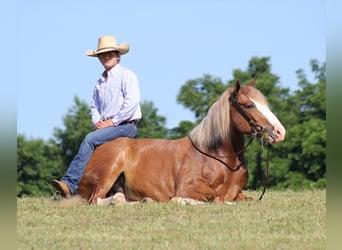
pixel 207 165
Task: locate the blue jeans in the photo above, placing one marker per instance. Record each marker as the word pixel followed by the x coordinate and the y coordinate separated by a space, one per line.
pixel 88 145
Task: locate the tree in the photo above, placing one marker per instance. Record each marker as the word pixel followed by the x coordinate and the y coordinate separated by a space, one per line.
pixel 37 163
pixel 307 135
pixel 199 94
pixel 182 130
pixel 40 162
pixel 151 125
pixel 299 162
pixel 77 124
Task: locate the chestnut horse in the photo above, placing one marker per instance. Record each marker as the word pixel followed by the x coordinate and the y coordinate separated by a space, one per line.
pixel 207 165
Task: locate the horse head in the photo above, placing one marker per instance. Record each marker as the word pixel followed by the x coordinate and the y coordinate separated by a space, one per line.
pixel 251 114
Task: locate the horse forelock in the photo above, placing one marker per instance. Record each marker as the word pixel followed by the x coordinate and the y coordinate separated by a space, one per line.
pixel 256 95
pixel 212 131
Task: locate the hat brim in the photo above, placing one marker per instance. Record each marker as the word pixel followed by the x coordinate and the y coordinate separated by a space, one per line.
pixel 123 49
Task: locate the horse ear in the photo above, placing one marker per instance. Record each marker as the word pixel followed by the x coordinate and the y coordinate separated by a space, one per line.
pixel 237 87
pixel 252 82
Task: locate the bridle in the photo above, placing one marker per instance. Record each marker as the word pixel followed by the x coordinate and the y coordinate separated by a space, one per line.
pixel 257 130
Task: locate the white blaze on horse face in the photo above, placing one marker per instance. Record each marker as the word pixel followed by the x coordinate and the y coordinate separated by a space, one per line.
pixel 278 128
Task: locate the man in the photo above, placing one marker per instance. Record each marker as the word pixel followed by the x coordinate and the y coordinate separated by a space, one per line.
pixel 115 110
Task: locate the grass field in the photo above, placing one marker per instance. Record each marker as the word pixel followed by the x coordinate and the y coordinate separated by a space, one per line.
pixel 282 220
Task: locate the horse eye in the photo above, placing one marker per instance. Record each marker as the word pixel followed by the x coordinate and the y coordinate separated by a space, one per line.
pixel 249 106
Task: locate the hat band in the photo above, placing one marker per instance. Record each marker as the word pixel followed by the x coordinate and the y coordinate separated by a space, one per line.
pixel 106 48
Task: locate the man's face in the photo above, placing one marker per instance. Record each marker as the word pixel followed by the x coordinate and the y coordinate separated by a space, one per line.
pixel 109 59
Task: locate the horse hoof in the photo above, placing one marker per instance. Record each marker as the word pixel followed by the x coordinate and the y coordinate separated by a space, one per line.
pixel 186 201
pixel 229 202
pixel 104 202
pixel 118 199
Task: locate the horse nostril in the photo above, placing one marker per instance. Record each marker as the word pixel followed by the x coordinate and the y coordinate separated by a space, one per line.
pixel 279 133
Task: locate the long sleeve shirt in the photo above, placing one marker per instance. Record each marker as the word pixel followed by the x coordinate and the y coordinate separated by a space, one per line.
pixel 116 97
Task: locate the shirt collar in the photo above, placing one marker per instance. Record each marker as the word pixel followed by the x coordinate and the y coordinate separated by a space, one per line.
pixel 110 73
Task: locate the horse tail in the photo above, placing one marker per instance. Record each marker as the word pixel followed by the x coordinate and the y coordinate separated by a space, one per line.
pixel 75 200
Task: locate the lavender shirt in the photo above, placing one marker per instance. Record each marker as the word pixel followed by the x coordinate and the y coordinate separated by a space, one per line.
pixel 117 98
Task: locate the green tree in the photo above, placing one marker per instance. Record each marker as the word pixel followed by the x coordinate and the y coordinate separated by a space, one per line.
pixel 199 94
pixel 182 130
pixel 77 124
pixel 37 163
pixel 151 125
pixel 299 162
pixel 306 141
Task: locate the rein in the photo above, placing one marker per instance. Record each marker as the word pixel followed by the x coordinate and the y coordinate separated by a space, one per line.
pixel 267 172
pixel 258 130
pixel 212 156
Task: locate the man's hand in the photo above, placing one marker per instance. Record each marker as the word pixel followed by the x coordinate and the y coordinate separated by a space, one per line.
pixel 104 124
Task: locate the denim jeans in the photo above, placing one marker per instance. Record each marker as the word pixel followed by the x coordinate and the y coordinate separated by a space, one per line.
pixel 88 145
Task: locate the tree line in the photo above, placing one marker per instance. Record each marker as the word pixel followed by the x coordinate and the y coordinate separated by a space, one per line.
pixel 297 163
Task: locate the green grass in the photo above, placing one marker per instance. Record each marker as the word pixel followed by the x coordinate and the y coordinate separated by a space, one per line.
pixel 282 220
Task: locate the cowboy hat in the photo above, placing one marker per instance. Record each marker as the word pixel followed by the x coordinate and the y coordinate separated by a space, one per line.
pixel 108 43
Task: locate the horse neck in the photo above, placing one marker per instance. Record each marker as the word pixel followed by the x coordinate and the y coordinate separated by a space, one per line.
pixel 232 150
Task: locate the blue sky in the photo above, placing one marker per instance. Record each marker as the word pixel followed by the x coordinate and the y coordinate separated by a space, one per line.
pixel 171 42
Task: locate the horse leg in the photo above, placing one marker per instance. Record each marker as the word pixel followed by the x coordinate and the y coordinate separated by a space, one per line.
pixel 242 197
pixel 117 199
pixel 91 197
pixel 198 190
pixel 100 191
pixel 234 190
pixel 235 194
pixel 115 195
pixel 118 186
pixel 103 174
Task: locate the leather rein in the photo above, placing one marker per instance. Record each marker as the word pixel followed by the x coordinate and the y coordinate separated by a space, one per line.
pixel 256 130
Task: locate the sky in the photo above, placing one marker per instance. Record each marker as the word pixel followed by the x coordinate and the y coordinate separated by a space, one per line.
pixel 171 42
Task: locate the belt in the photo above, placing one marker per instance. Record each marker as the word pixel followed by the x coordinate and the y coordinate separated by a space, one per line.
pixel 133 122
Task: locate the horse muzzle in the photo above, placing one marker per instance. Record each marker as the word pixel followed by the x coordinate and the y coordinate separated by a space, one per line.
pixel 274 133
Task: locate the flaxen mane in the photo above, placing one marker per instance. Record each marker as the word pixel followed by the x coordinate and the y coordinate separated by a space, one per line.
pixel 215 126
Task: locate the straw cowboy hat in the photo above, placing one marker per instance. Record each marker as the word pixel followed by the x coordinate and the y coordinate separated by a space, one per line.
pixel 108 43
